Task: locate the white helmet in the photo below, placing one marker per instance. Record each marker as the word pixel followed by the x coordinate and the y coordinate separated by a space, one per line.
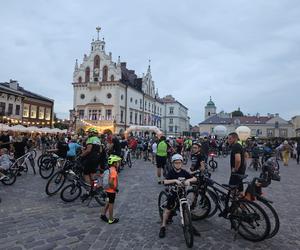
pixel 177 157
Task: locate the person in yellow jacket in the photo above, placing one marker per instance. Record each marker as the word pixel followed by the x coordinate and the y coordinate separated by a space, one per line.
pixel 285 150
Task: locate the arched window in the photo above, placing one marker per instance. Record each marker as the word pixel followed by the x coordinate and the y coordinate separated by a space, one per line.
pixel 105 73
pixel 96 62
pixel 87 74
pixel 79 79
pixel 112 78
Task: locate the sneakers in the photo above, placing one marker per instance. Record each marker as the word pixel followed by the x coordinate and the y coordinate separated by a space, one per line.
pixel 104 218
pixel 162 232
pixel 113 221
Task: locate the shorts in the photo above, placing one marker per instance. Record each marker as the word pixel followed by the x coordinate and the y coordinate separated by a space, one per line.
pixel 171 201
pixel 161 161
pixel 236 180
pixel 90 166
pixel 111 197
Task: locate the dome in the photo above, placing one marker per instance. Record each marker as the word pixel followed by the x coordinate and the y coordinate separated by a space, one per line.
pixel 210 103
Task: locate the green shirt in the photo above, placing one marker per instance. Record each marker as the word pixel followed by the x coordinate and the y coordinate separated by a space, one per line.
pixel 93 140
pixel 162 148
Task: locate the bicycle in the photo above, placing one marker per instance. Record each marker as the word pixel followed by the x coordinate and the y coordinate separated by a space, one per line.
pixel 72 191
pixel 46 169
pixel 21 164
pixel 246 217
pixel 57 180
pixel 181 204
pixel 212 163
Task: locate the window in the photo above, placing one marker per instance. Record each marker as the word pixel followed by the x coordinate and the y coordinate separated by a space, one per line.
pixel 130 117
pixel 141 103
pixel 96 62
pixel 33 110
pixel 94 114
pixel 170 128
pixel 99 114
pixel 26 110
pixel 131 99
pixel 135 118
pixel 48 114
pixel 283 132
pixel 87 74
pixel 276 124
pixel 105 72
pixel 171 110
pixel 79 79
pixel 108 114
pixel 122 97
pixel 135 102
pixel 122 115
pixel 10 109
pixel 18 107
pixel 140 119
pixel 145 105
pixel 270 132
pixel 112 78
pixel 171 121
pixel 108 95
pixel 82 96
pixel 41 112
pixel 176 129
pixel 81 114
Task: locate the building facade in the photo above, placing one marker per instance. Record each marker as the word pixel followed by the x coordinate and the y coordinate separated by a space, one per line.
pixel 268 126
pixel 18 105
pixel 111 97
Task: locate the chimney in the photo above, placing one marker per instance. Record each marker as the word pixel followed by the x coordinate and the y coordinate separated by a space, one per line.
pixel 13 84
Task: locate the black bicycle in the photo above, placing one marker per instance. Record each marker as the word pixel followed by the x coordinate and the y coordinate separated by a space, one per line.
pixel 181 204
pixel 73 191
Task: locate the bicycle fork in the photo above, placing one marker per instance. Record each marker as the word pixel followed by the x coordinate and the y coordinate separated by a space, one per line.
pixel 181 202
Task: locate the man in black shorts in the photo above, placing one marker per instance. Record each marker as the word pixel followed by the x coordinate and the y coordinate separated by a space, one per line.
pixel 237 161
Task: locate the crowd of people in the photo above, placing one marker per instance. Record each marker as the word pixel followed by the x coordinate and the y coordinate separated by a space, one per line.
pixel 99 153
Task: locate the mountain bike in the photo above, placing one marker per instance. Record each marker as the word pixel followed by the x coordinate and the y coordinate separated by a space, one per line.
pixel 212 163
pixel 181 204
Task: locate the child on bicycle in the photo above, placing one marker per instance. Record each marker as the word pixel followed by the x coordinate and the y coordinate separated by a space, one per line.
pixel 173 178
pixel 5 162
pixel 114 163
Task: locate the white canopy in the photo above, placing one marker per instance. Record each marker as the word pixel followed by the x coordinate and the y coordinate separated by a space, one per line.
pixel 18 128
pixel 4 127
pixel 32 129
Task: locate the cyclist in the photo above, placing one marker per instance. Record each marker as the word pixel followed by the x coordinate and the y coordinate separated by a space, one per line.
pixel 237 161
pixel 173 178
pixel 113 162
pixel 91 155
pixel 161 156
pixel 197 158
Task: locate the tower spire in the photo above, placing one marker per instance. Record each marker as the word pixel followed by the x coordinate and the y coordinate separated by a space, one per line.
pixel 149 66
pixel 98 30
pixel 76 65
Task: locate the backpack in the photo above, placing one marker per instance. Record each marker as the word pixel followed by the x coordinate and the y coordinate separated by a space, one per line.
pixel 106 178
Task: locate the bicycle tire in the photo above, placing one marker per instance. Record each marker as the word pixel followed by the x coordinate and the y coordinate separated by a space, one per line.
pixel 59 179
pixel 100 197
pixel 162 202
pixel 11 178
pixel 246 219
pixel 41 158
pixel 274 219
pixel 187 226
pixel 213 203
pixel 200 208
pixel 213 164
pixel 70 189
pixel 46 169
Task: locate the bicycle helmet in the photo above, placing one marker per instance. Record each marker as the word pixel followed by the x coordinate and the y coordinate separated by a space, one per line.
pixel 113 158
pixel 177 157
pixel 92 130
pixel 196 143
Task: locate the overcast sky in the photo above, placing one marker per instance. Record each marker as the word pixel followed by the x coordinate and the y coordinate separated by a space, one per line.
pixel 242 53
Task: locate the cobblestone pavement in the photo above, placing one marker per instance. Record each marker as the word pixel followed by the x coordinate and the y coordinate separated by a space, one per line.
pixel 31 220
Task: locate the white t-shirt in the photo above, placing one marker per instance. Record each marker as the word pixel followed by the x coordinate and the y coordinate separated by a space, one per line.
pixel 154 147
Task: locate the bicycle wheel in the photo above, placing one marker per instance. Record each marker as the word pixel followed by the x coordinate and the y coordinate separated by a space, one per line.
pixel 41 158
pixel 100 197
pixel 252 221
pixel 55 183
pixel 47 168
pixel 11 178
pixel 162 203
pixel 70 192
pixel 213 164
pixel 213 203
pixel 199 204
pixel 187 226
pixel 272 214
pixel 128 160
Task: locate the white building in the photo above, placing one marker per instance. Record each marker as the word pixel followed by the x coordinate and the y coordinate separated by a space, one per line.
pixel 109 96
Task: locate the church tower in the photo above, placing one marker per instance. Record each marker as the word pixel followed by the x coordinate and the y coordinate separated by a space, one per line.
pixel 210 109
